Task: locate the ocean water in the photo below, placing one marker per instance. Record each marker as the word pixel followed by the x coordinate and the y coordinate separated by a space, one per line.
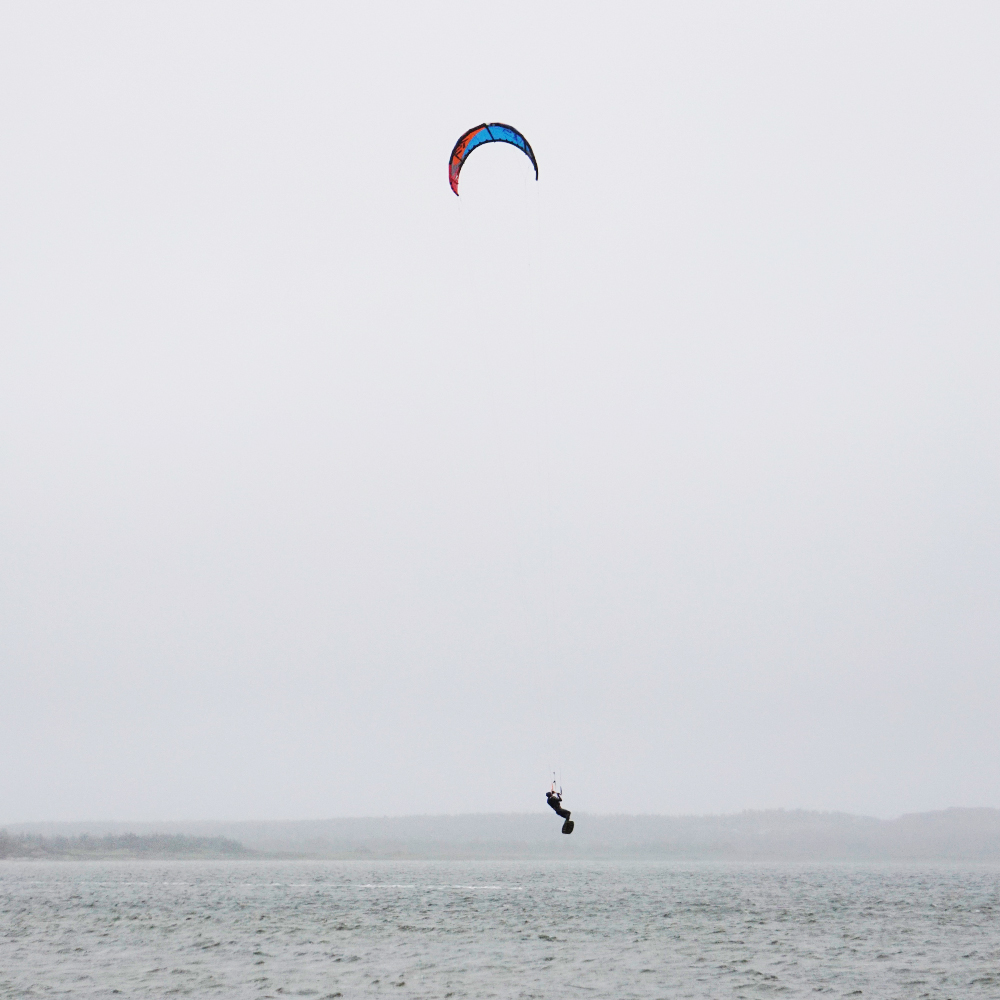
pixel 497 929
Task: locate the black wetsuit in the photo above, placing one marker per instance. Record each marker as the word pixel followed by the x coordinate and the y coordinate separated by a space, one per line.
pixel 555 801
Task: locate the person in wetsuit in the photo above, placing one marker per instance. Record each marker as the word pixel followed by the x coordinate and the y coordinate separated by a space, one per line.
pixel 554 799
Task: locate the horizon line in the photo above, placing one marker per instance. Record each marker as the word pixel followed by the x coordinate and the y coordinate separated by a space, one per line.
pixel 483 815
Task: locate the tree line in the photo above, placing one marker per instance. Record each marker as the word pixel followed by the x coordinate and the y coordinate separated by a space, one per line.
pixel 132 845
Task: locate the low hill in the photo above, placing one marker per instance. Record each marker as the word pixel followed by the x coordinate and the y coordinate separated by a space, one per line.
pixel 117 845
pixel 774 835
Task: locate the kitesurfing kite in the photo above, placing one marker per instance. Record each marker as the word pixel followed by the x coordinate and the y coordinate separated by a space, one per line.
pixel 478 136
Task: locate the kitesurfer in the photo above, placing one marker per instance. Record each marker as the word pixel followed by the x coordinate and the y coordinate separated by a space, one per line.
pixel 554 800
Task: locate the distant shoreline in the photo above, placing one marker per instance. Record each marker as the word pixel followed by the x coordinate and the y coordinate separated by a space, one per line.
pixel 24 846
pixel 771 835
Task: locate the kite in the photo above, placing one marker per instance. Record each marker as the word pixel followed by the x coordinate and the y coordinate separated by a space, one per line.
pixel 478 136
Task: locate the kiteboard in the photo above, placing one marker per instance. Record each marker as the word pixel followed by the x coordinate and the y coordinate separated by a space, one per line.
pixel 568 826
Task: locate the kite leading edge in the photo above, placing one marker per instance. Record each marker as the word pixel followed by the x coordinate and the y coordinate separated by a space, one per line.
pixel 478 136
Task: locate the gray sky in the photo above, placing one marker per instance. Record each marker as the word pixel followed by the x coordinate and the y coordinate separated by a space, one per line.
pixel 327 493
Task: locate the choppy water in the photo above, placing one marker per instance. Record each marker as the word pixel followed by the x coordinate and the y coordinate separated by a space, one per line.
pixel 497 929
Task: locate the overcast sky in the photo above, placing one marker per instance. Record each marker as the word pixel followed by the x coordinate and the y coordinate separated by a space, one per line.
pixel 324 492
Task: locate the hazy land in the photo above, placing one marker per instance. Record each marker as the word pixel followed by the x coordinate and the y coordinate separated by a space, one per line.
pixel 774 835
pixel 117 845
